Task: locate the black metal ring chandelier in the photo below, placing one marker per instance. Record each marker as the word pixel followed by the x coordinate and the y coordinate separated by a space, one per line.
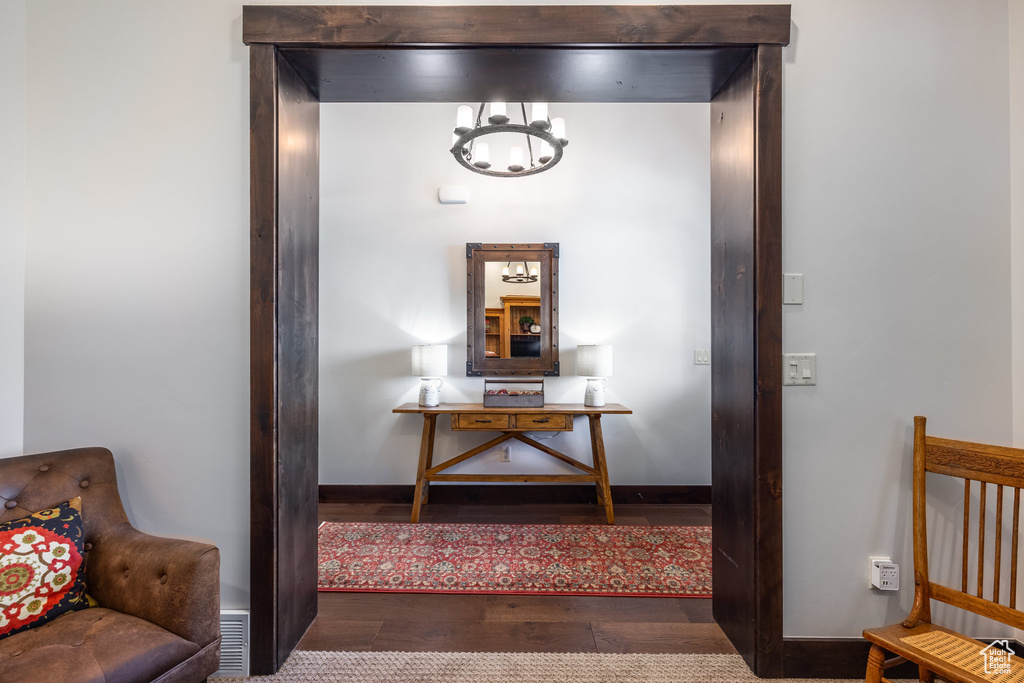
pixel 524 274
pixel 475 155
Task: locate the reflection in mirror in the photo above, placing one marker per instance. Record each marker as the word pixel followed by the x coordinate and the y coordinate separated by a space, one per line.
pixel 512 328
pixel 512 317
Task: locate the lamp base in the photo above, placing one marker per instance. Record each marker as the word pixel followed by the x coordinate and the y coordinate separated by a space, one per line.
pixel 430 392
pixel 593 397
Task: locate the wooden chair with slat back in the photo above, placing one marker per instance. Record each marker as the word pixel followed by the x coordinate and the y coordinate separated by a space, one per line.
pixel 936 650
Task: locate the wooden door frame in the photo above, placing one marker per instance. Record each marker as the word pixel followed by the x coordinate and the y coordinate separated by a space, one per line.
pixel 290 47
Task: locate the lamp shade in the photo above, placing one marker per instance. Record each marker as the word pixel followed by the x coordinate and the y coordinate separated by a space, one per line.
pixel 594 360
pixel 430 360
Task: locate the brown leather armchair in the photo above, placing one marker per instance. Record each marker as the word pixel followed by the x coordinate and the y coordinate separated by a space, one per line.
pixel 159 598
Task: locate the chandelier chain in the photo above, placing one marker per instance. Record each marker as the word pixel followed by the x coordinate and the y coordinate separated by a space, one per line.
pixel 529 146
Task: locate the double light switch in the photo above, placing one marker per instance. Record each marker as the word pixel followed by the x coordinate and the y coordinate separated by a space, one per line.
pixel 799 369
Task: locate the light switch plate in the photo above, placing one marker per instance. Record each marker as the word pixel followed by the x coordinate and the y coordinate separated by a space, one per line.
pixel 792 288
pixel 799 369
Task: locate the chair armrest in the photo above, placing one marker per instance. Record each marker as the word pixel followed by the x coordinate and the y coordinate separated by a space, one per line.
pixel 171 582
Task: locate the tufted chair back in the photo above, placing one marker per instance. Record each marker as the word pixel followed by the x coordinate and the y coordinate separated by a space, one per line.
pixel 30 483
pixel 171 583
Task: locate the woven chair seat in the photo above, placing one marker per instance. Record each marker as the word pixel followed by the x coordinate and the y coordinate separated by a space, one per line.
pixel 949 654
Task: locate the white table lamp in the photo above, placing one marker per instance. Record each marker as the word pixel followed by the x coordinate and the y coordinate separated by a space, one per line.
pixel 430 363
pixel 595 363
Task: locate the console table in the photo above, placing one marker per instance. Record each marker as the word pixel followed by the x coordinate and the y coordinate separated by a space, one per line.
pixel 512 422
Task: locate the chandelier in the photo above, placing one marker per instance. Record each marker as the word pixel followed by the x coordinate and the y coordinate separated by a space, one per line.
pixel 522 276
pixel 545 139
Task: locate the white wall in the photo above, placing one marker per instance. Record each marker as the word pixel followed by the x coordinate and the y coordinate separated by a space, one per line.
pixel 1016 79
pixel 633 224
pixel 896 209
pixel 12 226
pixel 137 258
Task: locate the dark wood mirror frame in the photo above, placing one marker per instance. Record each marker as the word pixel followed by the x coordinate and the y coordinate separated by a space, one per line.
pixel 477 363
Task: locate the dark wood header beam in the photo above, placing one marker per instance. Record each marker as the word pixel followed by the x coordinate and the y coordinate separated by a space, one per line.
pixel 555 25
pixel 484 74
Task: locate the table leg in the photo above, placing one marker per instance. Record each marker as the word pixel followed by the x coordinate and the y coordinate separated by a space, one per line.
pixel 430 463
pixel 426 456
pixel 601 465
pixel 597 467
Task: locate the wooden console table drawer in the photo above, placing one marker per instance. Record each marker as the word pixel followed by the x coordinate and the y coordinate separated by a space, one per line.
pixel 547 422
pixel 526 422
pixel 480 421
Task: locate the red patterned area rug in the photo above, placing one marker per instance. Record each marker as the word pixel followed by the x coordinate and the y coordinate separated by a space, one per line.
pixel 671 561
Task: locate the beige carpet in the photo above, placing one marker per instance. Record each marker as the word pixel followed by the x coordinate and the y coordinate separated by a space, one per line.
pixel 490 667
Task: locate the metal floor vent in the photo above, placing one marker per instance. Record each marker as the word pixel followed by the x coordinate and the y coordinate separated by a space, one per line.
pixel 234 643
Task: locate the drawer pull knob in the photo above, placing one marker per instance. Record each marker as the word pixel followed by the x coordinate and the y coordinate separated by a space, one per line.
pixel 485 421
pixel 546 419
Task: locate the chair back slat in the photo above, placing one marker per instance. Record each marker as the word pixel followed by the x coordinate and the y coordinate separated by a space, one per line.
pixel 996 465
pixel 1013 549
pixel 999 543
pixel 967 525
pixel 981 538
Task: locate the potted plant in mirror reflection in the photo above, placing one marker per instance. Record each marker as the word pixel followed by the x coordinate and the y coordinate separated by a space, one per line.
pixel 524 323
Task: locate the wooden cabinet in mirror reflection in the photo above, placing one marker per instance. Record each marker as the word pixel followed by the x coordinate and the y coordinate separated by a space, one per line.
pixel 506 335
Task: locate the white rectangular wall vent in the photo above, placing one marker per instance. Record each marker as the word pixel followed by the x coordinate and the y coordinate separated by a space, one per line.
pixel 234 643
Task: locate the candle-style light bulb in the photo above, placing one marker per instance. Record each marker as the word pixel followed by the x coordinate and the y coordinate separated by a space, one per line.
pixel 498 115
pixel 464 119
pixel 504 271
pixel 533 271
pixel 482 155
pixel 558 129
pixel 546 152
pixel 519 270
pixel 515 159
pixel 539 116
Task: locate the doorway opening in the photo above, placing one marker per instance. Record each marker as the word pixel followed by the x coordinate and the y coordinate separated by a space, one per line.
pixel 728 55
pixel 629 206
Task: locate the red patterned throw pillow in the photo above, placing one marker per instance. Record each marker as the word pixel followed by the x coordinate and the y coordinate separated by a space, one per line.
pixel 41 572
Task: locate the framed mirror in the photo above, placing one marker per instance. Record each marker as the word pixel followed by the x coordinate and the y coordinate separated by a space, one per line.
pixel 512 295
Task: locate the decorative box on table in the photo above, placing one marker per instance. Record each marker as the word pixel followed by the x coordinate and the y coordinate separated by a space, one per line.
pixel 513 393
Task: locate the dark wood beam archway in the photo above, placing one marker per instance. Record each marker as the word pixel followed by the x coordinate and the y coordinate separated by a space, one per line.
pixel 727 55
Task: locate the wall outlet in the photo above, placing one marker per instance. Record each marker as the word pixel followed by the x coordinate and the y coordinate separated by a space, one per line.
pixel 885 574
pixel 506 453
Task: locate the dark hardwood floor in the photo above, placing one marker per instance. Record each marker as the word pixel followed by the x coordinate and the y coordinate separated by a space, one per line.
pixel 515 623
